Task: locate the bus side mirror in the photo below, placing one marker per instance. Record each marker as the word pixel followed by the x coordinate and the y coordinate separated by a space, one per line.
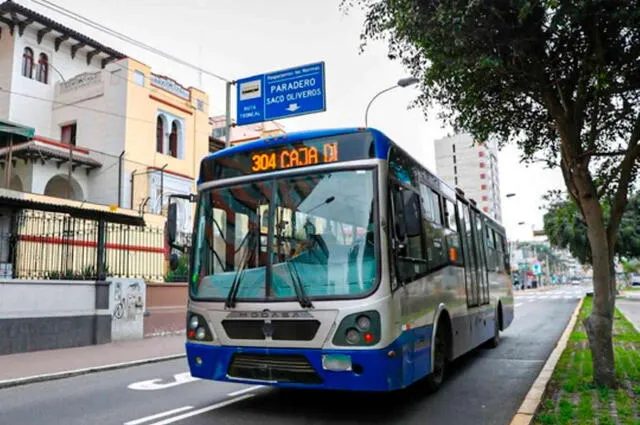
pixel 172 222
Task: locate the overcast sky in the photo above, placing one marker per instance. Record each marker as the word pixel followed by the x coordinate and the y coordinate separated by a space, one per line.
pixel 240 38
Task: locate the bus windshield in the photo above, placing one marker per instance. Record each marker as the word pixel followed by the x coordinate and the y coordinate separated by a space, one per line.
pixel 314 231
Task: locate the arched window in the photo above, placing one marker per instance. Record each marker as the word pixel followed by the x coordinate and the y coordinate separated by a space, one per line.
pixel 173 140
pixel 42 72
pixel 27 62
pixel 160 135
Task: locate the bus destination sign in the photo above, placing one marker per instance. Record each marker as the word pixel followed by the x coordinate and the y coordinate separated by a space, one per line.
pixel 265 158
pixel 294 156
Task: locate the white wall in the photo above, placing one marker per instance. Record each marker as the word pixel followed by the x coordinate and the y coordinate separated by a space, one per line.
pixel 171 185
pixel 6 70
pixel 23 171
pixel 37 112
pixel 102 133
pixel 43 173
pixel 32 298
pixel 127 300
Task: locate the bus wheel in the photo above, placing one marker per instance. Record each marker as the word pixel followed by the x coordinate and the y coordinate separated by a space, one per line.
pixel 495 340
pixel 434 380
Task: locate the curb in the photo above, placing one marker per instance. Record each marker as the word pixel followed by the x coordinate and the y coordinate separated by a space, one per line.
pixel 7 383
pixel 532 400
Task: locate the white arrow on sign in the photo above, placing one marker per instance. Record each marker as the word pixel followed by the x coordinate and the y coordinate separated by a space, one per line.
pixel 293 107
pixel 157 384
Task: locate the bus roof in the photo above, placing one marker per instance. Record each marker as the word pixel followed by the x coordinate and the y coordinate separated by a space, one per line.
pixel 381 141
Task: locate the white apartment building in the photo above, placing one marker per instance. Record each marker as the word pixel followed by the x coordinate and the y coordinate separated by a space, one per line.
pixel 473 167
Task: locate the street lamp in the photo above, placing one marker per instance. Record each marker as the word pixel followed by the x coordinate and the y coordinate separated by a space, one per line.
pixel 403 82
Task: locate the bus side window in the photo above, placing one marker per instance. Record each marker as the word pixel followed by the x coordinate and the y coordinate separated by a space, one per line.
pixel 434 232
pixel 502 254
pixel 453 237
pixel 490 248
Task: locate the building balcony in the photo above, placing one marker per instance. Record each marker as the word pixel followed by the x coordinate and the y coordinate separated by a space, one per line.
pixel 46 167
pixel 83 86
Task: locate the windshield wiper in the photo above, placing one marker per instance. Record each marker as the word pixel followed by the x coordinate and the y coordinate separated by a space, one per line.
pixel 250 239
pixel 301 295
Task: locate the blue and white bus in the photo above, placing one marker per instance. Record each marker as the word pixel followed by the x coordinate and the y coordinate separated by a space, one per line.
pixel 333 260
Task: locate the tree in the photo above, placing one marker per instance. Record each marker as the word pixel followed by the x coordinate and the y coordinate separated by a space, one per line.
pixel 630 267
pixel 565 228
pixel 544 254
pixel 560 78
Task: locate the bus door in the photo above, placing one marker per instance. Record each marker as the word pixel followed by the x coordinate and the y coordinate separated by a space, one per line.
pixel 470 269
pixel 483 278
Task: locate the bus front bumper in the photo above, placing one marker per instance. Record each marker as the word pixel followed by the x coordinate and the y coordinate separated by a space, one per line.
pixel 356 370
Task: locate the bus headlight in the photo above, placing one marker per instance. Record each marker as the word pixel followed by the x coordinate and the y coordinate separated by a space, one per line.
pixel 194 322
pixel 197 328
pixel 363 322
pixel 201 334
pixel 359 329
pixel 352 336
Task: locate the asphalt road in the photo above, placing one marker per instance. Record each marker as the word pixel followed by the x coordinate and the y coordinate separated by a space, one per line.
pixel 485 387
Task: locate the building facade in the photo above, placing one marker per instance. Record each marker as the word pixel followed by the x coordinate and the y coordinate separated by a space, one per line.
pixel 473 167
pixel 245 133
pixel 107 129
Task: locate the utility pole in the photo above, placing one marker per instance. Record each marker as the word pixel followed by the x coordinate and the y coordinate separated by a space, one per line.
pixel 70 188
pixel 9 163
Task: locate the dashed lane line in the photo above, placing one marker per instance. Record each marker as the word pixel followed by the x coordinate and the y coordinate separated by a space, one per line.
pixel 235 397
pixel 159 415
pixel 203 410
pixel 245 390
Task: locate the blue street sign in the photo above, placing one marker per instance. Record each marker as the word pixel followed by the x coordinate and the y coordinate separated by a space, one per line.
pixel 281 94
pixel 536 269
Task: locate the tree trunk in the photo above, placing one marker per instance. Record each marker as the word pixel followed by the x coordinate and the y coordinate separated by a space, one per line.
pixel 599 325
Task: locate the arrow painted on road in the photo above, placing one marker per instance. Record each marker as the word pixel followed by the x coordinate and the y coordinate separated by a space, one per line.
pixel 157 384
pixel 293 107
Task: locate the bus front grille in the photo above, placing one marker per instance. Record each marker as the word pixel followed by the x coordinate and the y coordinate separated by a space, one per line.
pixel 278 330
pixel 280 368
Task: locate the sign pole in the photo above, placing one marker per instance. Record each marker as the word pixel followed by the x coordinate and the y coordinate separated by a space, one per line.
pixel 227 124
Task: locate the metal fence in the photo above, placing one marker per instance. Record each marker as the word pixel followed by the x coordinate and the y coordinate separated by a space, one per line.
pixel 57 246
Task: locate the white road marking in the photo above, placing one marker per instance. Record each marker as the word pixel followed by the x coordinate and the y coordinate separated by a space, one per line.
pixel 77 372
pixel 156 384
pixel 158 415
pixel 245 390
pixel 203 410
pixel 517 305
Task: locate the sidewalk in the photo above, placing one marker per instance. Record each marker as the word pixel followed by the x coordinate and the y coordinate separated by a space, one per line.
pixel 43 365
pixel 630 307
